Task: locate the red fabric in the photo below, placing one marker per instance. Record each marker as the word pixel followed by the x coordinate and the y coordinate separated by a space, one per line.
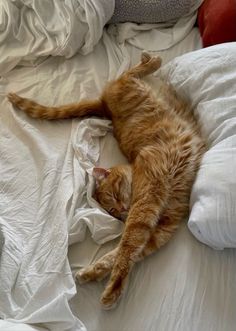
pixel 217 21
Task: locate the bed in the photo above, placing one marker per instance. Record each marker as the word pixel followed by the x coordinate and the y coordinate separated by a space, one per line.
pixel 57 52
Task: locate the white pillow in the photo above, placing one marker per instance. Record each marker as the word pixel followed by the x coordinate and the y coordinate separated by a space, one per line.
pixel 208 78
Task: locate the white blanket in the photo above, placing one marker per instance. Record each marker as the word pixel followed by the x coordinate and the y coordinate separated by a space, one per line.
pixel 31 28
pixel 186 285
pixel 43 175
pixel 44 166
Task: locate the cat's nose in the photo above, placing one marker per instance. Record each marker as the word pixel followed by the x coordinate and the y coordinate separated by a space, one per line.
pixel 122 208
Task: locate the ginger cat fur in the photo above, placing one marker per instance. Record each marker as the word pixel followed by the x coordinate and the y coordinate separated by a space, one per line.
pixel 161 139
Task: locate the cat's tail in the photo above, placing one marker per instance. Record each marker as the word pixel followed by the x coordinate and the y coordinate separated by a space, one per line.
pixel 80 109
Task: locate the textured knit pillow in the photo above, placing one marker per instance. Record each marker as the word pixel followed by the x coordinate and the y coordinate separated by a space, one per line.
pixel 152 11
pixel 217 21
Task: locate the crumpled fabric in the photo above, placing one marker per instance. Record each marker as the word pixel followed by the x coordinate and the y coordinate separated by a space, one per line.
pixel 30 30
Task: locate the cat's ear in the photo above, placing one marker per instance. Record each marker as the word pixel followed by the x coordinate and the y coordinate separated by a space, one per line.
pixel 100 173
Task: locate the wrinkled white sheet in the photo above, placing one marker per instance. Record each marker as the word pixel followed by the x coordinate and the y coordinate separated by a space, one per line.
pixel 42 183
pixel 33 29
pixel 44 174
pixel 163 35
pixel 186 285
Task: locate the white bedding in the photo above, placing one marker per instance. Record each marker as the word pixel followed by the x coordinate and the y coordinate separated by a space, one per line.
pixel 186 285
pixel 43 182
pixel 45 201
pixel 32 30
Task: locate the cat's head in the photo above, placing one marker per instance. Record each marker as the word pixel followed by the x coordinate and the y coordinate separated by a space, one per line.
pixel 113 189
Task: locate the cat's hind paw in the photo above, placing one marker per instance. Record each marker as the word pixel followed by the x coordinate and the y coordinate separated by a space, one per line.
pixel 111 295
pixel 113 291
pixel 154 61
pixel 145 57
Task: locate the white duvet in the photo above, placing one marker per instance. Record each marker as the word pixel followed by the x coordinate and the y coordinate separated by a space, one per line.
pixel 44 175
pixel 46 187
pixel 32 29
pixel 45 182
pixel 186 285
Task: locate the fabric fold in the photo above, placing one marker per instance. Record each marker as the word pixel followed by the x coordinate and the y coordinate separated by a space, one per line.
pixel 32 29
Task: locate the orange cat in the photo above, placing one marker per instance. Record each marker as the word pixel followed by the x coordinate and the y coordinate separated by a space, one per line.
pixel 161 139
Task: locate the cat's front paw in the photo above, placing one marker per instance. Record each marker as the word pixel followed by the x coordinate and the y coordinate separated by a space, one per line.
pixel 95 272
pixel 82 276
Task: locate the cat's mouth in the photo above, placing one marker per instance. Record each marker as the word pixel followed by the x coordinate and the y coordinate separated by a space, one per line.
pixel 121 216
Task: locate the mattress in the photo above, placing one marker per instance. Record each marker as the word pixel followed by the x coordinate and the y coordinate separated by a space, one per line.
pixel 46 203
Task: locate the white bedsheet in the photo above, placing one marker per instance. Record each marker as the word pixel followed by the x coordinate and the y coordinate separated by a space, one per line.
pixel 43 181
pixel 43 174
pixel 44 170
pixel 185 286
pixel 33 29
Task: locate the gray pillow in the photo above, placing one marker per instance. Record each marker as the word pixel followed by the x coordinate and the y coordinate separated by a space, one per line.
pixel 152 11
